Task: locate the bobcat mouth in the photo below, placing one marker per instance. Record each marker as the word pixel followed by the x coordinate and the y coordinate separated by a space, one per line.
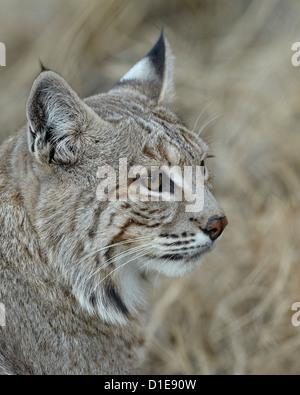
pixel 173 262
pixel 188 255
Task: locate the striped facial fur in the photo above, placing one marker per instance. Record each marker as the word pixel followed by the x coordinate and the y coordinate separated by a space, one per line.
pixel 107 252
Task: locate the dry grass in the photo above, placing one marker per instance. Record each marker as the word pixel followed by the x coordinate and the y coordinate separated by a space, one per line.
pixel 233 315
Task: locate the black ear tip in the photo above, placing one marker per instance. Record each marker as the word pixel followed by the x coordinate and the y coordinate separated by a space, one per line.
pixel 43 67
pixel 160 44
pixel 158 54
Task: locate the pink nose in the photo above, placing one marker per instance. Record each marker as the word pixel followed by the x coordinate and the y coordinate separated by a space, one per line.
pixel 215 226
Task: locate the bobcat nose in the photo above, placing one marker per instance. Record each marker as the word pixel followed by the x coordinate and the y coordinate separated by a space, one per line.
pixel 215 226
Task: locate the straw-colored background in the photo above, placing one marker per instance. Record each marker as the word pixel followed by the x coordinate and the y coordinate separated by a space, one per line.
pixel 233 315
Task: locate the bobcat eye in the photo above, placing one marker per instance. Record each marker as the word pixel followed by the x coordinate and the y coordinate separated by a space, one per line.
pixel 155 182
pixel 202 164
pixel 158 182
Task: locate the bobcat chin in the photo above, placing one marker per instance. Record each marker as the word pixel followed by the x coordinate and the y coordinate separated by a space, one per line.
pixel 74 271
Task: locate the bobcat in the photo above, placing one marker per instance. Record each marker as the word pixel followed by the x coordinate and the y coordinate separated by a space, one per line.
pixel 74 271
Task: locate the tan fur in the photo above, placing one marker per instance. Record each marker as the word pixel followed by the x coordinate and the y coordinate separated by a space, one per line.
pixel 73 282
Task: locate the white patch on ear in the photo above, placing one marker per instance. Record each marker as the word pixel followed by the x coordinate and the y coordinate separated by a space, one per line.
pixel 142 71
pixel 153 75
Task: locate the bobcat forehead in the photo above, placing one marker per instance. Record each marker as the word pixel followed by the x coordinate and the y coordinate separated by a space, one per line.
pixel 76 269
pixel 166 151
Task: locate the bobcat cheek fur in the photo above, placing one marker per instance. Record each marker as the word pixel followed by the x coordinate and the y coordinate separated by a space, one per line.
pixel 74 272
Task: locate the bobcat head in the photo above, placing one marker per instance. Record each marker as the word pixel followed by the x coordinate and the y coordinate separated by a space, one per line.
pixel 106 251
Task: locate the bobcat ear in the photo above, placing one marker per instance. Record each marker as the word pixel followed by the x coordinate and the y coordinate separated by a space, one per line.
pixel 57 120
pixel 153 75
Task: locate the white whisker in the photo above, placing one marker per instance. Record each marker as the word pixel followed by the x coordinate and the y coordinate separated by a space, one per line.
pixel 115 245
pixel 102 249
pixel 206 123
pixel 118 256
pixel 124 264
pixel 201 113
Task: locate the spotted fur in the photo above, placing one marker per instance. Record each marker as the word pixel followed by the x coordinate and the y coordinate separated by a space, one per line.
pixel 74 272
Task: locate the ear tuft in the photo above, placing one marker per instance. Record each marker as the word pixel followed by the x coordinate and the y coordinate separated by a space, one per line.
pixel 153 75
pixel 42 66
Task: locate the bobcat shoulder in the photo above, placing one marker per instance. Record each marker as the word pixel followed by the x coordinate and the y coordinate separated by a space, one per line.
pixel 74 270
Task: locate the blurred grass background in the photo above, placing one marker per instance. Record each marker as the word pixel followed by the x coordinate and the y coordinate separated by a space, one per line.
pixel 233 315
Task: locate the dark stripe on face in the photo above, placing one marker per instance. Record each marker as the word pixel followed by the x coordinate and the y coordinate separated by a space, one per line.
pixel 172 257
pixel 115 298
pixel 142 215
pixel 77 203
pixel 178 243
pixel 150 154
pixel 123 229
pixel 156 225
pixel 162 150
pixel 163 115
pixel 191 143
pixel 111 218
pixel 107 256
pixel 93 229
pixel 51 155
pixel 93 299
pixel 147 216
pixel 144 126
pixel 116 240
pixel 173 236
